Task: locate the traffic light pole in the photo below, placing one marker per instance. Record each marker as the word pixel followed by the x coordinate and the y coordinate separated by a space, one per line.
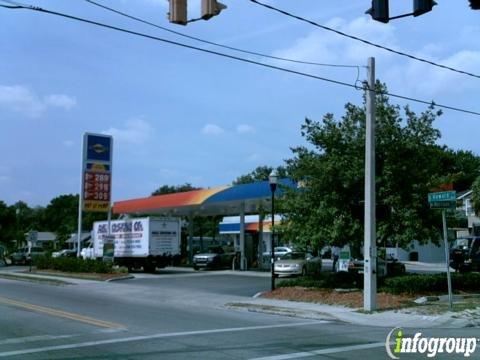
pixel 370 243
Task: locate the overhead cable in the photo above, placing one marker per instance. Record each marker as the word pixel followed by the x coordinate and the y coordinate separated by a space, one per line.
pixel 215 43
pixel 413 57
pixel 151 37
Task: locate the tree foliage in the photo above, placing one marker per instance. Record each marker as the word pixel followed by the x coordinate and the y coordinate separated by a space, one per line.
pixel 170 189
pixel 330 206
pixel 261 173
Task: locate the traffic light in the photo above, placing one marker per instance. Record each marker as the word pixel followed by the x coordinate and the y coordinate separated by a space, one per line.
pixel 421 7
pixel 475 4
pixel 178 12
pixel 379 10
pixel 211 8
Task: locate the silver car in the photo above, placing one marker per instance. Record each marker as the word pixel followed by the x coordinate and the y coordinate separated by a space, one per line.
pixel 297 263
pixel 279 251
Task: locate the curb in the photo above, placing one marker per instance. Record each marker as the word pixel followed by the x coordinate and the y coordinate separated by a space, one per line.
pixel 282 311
pixel 330 313
pixel 126 277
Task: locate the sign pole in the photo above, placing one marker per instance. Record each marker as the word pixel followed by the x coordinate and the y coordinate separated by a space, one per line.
pixel 80 198
pixel 447 259
pixel 445 200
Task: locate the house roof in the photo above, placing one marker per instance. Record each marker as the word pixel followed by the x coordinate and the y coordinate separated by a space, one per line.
pixel 464 194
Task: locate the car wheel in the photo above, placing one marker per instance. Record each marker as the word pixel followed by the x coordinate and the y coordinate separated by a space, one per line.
pixel 195 267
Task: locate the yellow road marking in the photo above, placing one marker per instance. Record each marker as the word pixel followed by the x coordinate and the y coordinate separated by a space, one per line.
pixel 60 313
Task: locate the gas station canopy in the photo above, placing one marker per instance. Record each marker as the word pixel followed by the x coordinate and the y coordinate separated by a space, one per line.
pixel 223 200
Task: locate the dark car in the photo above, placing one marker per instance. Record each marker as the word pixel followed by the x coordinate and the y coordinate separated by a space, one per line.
pixel 25 255
pixel 214 258
pixel 465 254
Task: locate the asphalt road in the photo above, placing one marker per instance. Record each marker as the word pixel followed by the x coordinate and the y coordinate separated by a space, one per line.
pixel 169 316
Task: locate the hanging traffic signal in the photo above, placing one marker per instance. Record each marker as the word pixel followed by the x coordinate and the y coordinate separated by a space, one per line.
pixel 379 10
pixel 211 8
pixel 178 12
pixel 475 4
pixel 421 7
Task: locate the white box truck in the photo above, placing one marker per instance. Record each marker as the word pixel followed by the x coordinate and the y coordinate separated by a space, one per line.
pixel 142 242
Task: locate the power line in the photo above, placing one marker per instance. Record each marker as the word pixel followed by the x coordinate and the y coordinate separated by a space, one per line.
pixel 364 41
pixel 151 37
pixel 215 43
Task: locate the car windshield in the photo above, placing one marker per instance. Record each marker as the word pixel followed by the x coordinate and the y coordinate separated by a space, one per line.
pixel 463 243
pixel 293 256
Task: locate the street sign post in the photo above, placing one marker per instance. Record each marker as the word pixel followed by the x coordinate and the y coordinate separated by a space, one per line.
pixel 445 200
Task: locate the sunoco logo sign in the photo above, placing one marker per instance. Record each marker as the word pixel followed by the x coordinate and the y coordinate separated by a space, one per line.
pixel 397 344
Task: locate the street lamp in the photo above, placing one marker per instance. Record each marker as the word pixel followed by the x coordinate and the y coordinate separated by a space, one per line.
pixel 273 179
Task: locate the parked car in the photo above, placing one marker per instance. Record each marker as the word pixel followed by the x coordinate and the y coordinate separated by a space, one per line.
pixel 279 251
pixel 25 255
pixel 465 254
pixel 214 258
pixel 297 263
pixel 65 253
pixel 388 267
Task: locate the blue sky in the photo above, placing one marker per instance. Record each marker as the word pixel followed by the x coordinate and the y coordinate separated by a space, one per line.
pixel 179 116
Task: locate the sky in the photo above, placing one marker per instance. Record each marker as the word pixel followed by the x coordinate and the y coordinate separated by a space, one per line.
pixel 178 115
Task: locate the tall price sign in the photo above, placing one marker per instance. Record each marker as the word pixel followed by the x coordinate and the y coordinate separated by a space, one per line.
pixel 97 172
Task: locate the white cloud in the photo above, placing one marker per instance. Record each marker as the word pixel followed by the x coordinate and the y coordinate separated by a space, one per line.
pixel 245 129
pixel 327 47
pixel 61 100
pixel 403 76
pixel 212 129
pixel 136 131
pixel 426 81
pixel 21 99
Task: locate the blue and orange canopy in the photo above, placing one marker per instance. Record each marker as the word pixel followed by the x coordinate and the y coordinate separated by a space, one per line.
pixel 221 200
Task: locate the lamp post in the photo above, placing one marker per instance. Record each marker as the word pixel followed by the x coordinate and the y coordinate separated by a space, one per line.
pixel 272 179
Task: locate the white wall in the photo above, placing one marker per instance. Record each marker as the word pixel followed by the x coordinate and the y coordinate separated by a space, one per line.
pixel 429 253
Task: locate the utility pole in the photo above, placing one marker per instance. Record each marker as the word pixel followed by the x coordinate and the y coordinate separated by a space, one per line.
pixel 370 241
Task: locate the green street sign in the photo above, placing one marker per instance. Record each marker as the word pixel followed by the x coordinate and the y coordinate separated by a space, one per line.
pixel 443 196
pixel 443 205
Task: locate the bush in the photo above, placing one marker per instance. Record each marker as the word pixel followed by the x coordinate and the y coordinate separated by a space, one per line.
pixel 342 280
pixel 73 265
pixel 419 284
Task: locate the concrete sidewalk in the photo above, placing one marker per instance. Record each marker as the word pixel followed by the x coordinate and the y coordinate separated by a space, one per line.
pixel 406 318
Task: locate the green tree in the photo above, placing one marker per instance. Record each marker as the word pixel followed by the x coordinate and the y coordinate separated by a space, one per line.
pixel 261 173
pixel 476 195
pixel 329 208
pixel 171 189
pixel 8 230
